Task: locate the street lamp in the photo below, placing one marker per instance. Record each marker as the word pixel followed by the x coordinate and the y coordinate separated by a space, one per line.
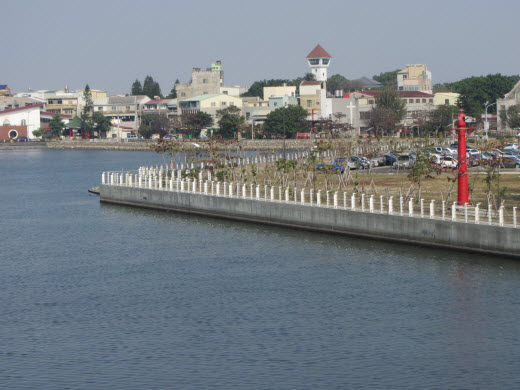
pixel 284 160
pixel 486 123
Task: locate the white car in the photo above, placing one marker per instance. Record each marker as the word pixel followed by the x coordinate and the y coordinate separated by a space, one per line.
pixel 449 162
pixel 450 152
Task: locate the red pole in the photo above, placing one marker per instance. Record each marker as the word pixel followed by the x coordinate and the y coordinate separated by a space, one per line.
pixel 463 192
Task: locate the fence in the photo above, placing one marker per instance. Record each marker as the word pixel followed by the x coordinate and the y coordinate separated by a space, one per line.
pixel 165 179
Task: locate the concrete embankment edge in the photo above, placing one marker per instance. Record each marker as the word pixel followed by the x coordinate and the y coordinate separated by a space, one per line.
pixel 486 239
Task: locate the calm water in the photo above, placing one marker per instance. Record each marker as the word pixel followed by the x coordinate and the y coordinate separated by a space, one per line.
pixel 107 297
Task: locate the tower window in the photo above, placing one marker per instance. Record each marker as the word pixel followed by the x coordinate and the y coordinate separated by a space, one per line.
pixel 314 61
pixel 325 61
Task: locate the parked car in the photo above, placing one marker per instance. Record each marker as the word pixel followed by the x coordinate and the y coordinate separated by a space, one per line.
pixel 404 161
pixel 360 162
pixel 510 161
pixel 22 139
pixel 169 137
pixel 450 152
pixel 449 162
pixel 339 163
pixel 390 158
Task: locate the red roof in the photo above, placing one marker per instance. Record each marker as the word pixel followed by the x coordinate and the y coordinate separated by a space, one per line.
pixel 161 101
pixel 403 94
pixel 21 108
pixel 319 52
pixel 311 83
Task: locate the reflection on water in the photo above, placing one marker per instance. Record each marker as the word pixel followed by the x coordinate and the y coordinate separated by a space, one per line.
pixel 98 296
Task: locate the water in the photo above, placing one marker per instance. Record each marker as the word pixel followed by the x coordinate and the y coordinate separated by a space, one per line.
pixel 106 297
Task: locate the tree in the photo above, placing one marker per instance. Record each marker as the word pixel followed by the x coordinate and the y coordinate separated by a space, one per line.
pixel 56 125
pixel 389 99
pixel 230 121
pixel 137 89
pixel 510 117
pixel 173 92
pixel 338 126
pixel 145 130
pixel 86 113
pixel 291 119
pixel 440 119
pixel 382 120
pixel 475 91
pixel 160 125
pixel 151 88
pixel 388 79
pixel 102 124
pixel 196 121
pixel 337 82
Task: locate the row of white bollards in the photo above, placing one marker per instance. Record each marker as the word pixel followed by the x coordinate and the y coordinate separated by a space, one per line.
pixel 173 181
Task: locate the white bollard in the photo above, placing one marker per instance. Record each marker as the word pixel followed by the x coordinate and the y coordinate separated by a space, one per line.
pixel 272 193
pixel 443 210
pixel 287 195
pixel 103 178
pixel 514 216
pixel 391 205
pixel 401 205
pixel 477 214
pixel 362 202
pixel 302 197
pixel 432 209
pixel 454 211
pixel 353 201
pixel 466 212
pixel 489 214
pixel 182 186
pixel 225 188
pixel 371 203
pixel 280 194
pixel 311 196
pixel 257 192
pixel 265 192
pixel 335 199
pixel 230 190
pixel 344 200
pixel 140 181
pixel 194 186
pixel 318 198
pixel 501 215
pixel 244 191
pixel 295 195
pixel 205 188
pixel 381 204
pixel 327 198
pixel 218 188
pixel 410 207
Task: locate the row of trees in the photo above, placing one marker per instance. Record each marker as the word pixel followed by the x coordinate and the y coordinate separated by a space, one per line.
pixel 151 88
pixel 476 91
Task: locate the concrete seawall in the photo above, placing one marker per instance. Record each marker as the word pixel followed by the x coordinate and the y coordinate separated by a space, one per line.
pixel 481 238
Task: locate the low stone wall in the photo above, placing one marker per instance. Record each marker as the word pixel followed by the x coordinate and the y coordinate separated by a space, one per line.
pixel 481 238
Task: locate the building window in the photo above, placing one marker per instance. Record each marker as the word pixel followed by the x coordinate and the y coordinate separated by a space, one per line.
pixel 309 103
pixel 225 92
pixel 424 100
pixel 114 108
pixel 128 108
pixel 275 104
pixel 183 94
pixel 205 81
pixel 254 104
pixel 23 122
pixel 447 101
pixel 325 61
pixel 205 93
pixel 431 100
pixel 371 101
pixel 417 100
pixel 100 108
pixel 223 103
pixel 248 115
pixel 314 61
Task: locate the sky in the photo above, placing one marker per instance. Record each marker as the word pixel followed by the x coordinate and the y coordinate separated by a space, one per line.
pixel 109 44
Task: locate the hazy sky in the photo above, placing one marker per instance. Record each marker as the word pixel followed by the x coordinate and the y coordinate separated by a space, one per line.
pixel 108 44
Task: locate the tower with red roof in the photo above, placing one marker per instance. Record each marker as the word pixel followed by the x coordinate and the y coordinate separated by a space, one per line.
pixel 319 61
